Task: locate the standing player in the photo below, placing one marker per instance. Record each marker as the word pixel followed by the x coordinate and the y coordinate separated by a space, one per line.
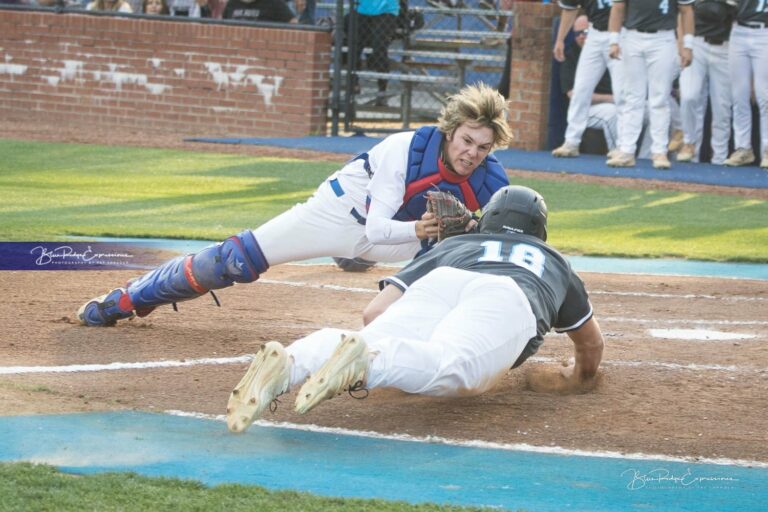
pixel 451 323
pixel 748 61
pixel 648 48
pixel 593 62
pixel 707 77
pixel 373 208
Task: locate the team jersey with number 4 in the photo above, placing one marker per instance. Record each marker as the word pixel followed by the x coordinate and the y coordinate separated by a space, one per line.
pixel 555 292
pixel 652 15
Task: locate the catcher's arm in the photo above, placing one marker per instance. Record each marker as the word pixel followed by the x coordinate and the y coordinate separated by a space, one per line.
pixel 381 228
pixel 386 297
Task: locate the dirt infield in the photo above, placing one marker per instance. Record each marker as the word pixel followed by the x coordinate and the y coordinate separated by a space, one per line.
pixel 664 396
pixel 649 400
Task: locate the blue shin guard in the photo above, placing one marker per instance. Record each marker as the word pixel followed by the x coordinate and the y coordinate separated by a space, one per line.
pixel 237 259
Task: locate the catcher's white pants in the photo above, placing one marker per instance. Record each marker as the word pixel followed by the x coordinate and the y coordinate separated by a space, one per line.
pixel 453 332
pixel 324 226
pixel 650 63
pixel 593 62
pixel 748 61
pixel 707 77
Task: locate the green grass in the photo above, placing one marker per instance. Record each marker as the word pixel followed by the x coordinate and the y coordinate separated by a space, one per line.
pixel 26 487
pixel 54 190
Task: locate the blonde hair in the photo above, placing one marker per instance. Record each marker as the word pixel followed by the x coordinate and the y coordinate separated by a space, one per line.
pixel 478 104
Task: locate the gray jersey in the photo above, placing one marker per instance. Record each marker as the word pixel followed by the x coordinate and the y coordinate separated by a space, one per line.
pixel 753 11
pixel 714 19
pixel 597 11
pixel 652 15
pixel 555 292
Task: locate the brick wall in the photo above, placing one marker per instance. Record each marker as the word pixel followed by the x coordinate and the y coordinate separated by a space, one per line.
pixel 530 73
pixel 192 78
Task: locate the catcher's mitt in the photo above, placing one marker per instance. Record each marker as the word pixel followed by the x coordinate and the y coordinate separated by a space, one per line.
pixel 452 216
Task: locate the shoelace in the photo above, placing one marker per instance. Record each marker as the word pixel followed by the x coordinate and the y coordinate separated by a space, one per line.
pixel 358 387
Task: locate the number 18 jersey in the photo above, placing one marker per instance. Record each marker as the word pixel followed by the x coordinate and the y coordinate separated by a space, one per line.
pixel 555 292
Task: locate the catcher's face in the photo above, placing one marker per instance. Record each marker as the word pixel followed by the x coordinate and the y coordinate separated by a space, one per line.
pixel 467 147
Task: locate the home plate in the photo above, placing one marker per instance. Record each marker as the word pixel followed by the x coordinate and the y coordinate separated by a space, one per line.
pixel 698 335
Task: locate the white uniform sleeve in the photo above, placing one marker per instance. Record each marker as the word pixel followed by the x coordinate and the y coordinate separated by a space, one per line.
pixel 388 161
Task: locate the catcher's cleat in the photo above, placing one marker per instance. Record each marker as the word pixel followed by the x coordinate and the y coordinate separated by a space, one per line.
pixel 345 370
pixel 267 378
pixel 106 310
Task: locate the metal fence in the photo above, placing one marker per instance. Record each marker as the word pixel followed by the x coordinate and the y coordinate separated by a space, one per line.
pixel 390 72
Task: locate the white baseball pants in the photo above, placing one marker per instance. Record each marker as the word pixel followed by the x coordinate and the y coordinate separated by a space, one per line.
pixel 650 62
pixel 452 333
pixel 324 226
pixel 748 62
pixel 707 77
pixel 593 62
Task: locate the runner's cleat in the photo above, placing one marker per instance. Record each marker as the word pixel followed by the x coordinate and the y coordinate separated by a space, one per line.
pixel 267 378
pixel 345 370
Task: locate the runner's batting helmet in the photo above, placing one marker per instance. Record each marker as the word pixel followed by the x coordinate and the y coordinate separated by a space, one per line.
pixel 517 209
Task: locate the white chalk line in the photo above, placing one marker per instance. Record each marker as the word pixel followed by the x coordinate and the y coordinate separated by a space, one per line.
pixel 148 365
pixel 519 447
pixel 302 284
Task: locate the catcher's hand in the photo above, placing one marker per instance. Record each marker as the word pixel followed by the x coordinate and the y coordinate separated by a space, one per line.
pixel 452 216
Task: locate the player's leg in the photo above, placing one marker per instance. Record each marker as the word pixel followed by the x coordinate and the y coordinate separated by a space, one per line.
pixel 634 92
pixel 589 71
pixel 237 259
pixel 662 62
pixel 759 57
pixel 741 73
pixel 720 101
pixel 692 95
pixel 616 70
pixel 322 226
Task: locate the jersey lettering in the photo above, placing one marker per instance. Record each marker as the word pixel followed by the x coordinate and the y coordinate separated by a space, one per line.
pixel 523 255
pixel 664 6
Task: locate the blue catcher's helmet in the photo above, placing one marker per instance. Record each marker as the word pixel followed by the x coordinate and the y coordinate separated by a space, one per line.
pixel 516 209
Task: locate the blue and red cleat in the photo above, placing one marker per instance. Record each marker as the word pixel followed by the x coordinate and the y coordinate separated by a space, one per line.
pixel 107 309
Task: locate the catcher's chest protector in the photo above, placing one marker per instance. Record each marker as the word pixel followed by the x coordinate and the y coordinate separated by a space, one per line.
pixel 424 174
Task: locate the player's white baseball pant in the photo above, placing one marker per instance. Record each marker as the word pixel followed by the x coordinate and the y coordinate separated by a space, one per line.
pixel 748 61
pixel 649 69
pixel 325 226
pixel 707 77
pixel 452 333
pixel 593 62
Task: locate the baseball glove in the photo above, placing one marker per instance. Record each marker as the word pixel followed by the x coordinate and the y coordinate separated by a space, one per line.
pixel 452 216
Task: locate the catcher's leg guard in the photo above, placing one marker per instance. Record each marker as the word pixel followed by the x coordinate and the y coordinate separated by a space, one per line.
pixel 237 259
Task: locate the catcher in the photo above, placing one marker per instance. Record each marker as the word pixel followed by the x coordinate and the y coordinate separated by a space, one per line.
pixel 373 209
